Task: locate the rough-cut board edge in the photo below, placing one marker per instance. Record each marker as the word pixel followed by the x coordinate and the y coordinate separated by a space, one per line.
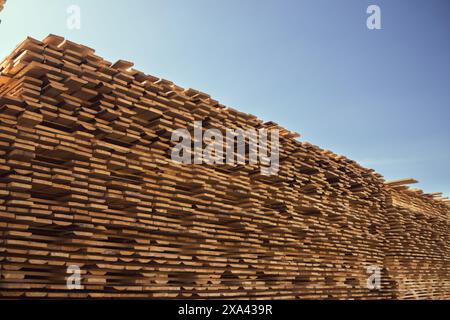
pixel 401 182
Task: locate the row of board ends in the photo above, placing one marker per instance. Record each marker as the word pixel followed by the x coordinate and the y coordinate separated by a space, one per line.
pixel 404 185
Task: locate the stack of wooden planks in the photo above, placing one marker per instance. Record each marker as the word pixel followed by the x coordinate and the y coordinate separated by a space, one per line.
pixel 419 242
pixel 86 179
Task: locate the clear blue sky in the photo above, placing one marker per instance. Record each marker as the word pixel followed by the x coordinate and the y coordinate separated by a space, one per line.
pixel 379 97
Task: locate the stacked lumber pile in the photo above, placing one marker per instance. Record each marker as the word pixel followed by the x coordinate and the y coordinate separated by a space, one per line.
pixel 86 179
pixel 419 242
